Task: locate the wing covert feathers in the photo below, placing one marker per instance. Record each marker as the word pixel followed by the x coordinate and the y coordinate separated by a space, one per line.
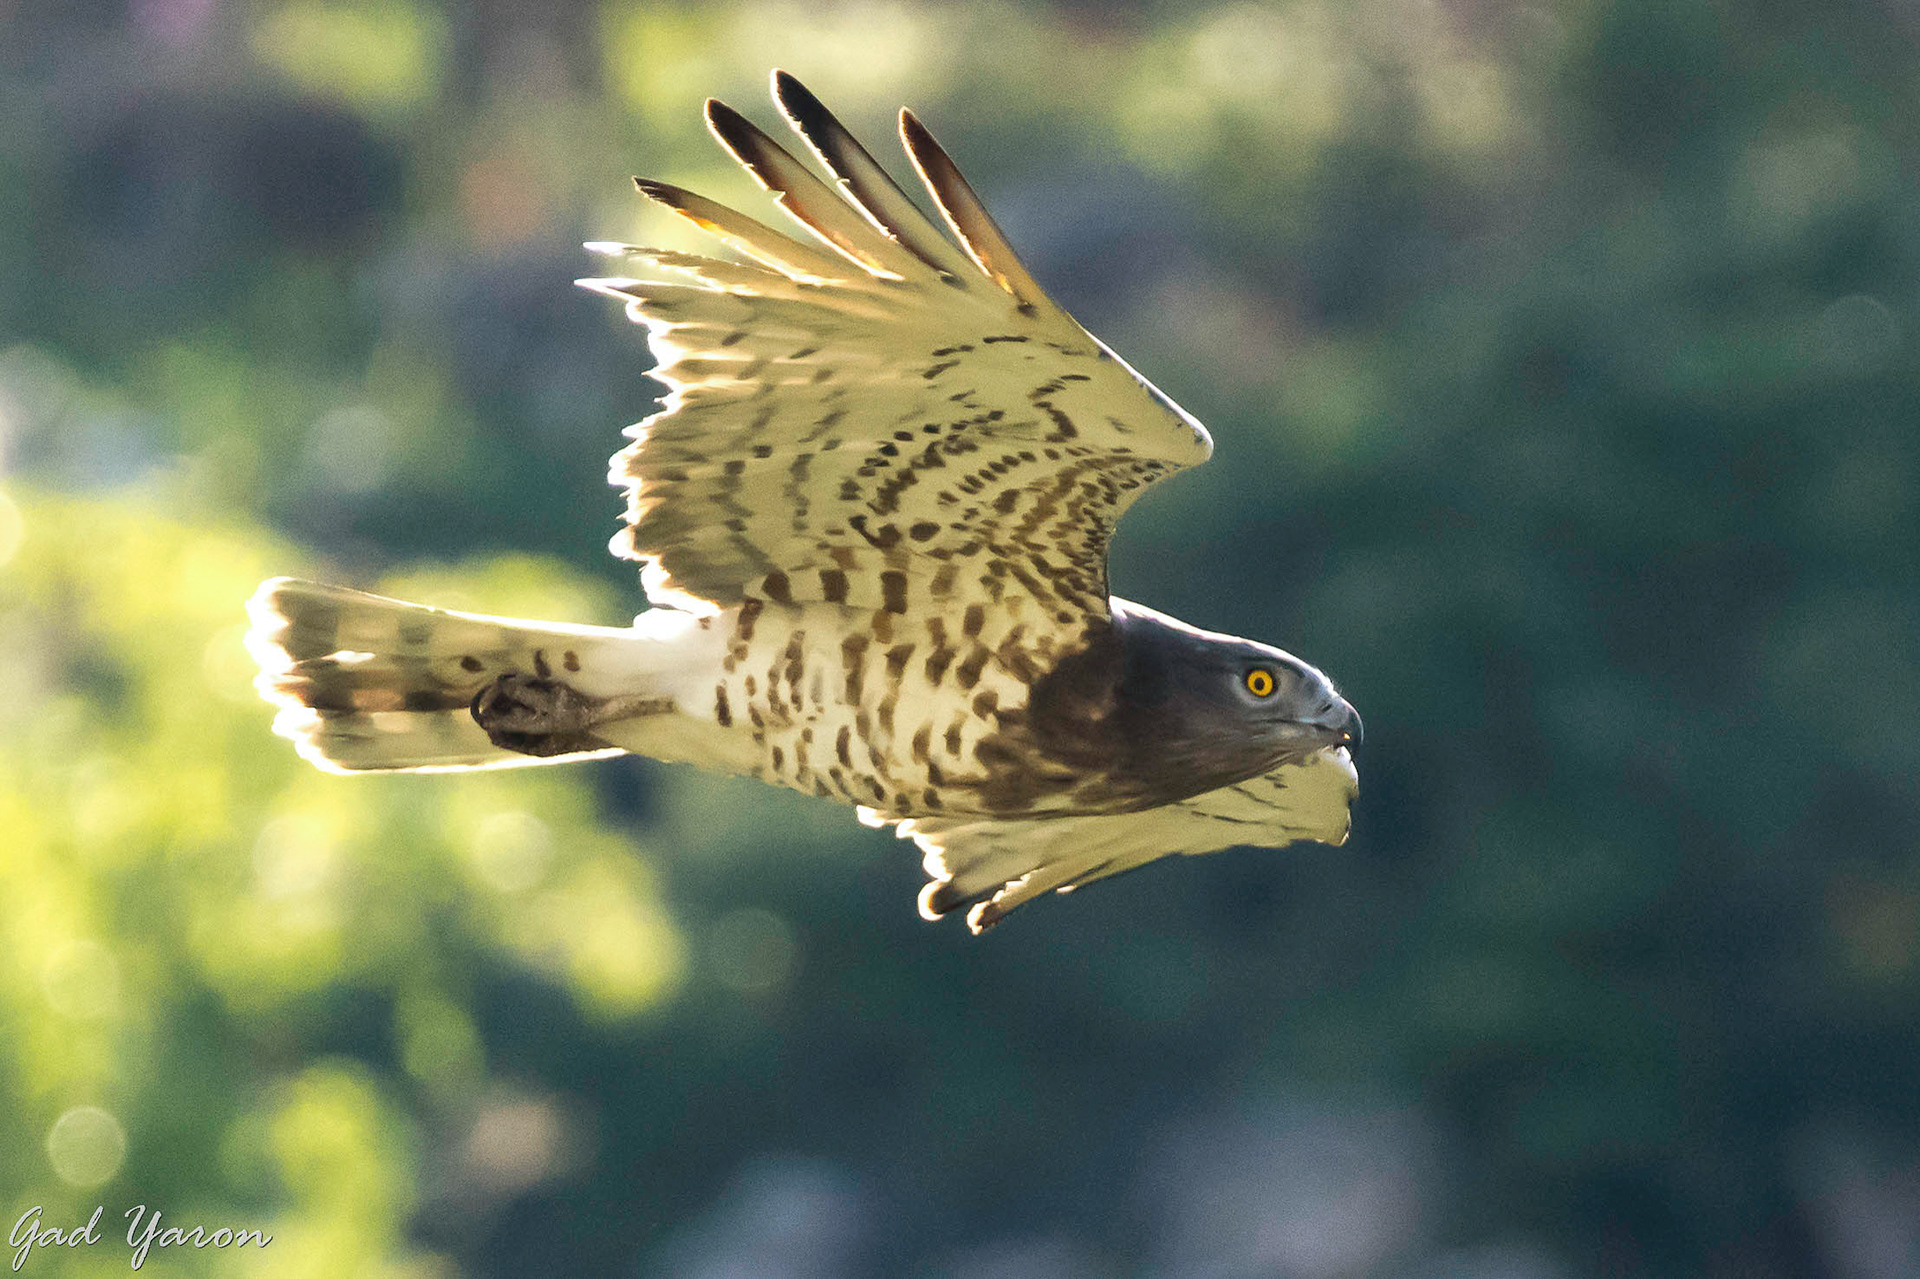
pixel 873 414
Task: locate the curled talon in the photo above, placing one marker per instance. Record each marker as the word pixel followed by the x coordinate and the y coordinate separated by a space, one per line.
pixel 535 716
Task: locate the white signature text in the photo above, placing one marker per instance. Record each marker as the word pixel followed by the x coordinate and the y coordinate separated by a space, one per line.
pixel 144 1231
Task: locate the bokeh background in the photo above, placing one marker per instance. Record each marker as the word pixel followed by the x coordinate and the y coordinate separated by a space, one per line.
pixel 1562 362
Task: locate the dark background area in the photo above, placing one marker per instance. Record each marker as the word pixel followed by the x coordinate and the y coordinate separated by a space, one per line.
pixel 1560 359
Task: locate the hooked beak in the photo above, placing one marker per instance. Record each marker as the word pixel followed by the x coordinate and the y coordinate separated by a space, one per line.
pixel 1345 720
pixel 1338 725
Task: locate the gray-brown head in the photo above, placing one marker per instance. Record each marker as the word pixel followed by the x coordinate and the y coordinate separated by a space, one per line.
pixel 1201 710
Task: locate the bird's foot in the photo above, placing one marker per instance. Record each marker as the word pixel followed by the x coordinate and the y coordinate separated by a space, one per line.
pixel 537 716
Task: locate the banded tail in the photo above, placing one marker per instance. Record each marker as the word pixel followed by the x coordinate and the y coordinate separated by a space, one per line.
pixel 367 683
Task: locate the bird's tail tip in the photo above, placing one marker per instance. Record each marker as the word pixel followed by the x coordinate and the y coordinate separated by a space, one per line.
pixel 365 683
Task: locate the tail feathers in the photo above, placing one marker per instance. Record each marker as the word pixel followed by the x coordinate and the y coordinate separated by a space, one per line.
pixel 364 682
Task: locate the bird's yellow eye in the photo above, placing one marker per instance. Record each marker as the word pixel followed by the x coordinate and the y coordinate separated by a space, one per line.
pixel 1260 682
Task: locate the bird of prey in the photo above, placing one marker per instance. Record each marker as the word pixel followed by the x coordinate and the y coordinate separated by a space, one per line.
pixel 873 512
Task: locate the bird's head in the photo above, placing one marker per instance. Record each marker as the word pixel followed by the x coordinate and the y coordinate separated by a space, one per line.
pixel 1224 707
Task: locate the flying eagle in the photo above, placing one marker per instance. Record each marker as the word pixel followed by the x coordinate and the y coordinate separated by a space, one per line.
pixel 873 510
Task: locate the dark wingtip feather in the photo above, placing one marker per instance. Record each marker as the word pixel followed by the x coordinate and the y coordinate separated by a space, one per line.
pixel 863 179
pixel 750 237
pixel 743 139
pixel 749 144
pixel 801 104
pixel 801 194
pixel 985 243
pixel 727 124
pixel 785 83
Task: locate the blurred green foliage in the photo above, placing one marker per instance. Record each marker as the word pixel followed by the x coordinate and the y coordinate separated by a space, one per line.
pixel 180 895
pixel 1561 359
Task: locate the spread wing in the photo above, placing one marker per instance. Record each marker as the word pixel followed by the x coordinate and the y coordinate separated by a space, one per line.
pixel 881 416
pixel 994 866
